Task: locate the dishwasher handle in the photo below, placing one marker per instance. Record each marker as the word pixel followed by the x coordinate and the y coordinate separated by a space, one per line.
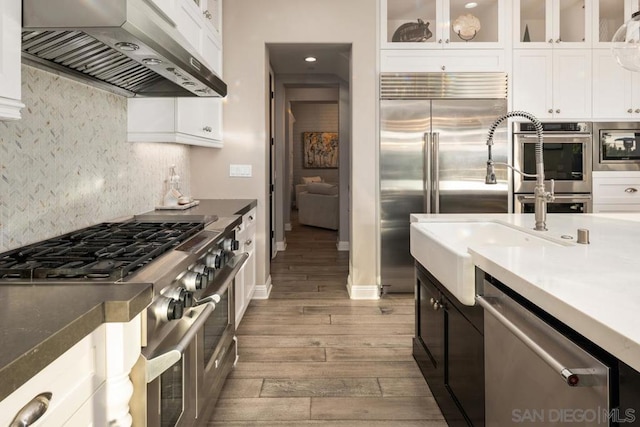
pixel 571 378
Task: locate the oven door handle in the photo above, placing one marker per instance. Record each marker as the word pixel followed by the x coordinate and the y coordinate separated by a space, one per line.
pixel 534 137
pixel 557 197
pixel 215 294
pixel 165 357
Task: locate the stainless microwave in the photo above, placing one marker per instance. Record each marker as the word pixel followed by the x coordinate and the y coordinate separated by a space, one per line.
pixel 616 146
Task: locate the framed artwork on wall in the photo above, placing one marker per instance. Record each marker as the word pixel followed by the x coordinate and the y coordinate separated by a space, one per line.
pixel 320 150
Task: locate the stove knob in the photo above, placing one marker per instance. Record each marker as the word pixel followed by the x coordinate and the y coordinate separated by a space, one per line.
pixel 192 280
pixel 168 308
pixel 174 310
pixel 206 272
pixel 182 295
pixel 214 260
pixel 230 245
pixel 187 299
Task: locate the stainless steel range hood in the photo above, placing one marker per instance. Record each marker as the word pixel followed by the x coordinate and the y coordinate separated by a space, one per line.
pixel 126 46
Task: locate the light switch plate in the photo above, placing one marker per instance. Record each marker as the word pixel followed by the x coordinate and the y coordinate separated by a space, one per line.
pixel 243 171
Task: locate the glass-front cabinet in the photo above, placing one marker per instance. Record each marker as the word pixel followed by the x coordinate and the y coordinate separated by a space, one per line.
pixel 442 24
pixel 552 23
pixel 608 16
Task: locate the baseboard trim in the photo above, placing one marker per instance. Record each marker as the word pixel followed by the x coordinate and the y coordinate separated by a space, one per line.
pixel 281 246
pixel 368 292
pixel 263 291
pixel 342 246
pixel 287 226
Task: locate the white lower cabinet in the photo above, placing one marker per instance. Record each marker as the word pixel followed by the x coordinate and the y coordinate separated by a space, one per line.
pixel 71 380
pixel 193 121
pixel 616 192
pixel 245 283
pixel 88 385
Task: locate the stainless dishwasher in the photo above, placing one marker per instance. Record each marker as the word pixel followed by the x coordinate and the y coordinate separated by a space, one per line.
pixel 533 373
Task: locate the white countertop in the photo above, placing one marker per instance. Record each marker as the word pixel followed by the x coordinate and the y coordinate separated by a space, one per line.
pixel 594 288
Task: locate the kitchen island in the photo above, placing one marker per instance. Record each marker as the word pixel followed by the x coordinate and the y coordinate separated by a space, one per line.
pixel 590 290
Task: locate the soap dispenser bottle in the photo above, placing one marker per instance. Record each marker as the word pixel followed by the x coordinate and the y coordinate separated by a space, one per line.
pixel 172 196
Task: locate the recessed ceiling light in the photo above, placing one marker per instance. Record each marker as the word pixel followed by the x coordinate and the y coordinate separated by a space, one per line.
pixel 310 59
pixel 470 5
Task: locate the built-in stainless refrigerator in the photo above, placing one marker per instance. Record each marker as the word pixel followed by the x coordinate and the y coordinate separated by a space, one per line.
pixel 433 156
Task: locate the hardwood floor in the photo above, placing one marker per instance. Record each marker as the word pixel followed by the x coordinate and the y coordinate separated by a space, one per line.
pixel 311 356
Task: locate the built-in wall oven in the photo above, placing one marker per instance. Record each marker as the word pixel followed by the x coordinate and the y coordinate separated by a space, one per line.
pixel 567 153
pixel 616 146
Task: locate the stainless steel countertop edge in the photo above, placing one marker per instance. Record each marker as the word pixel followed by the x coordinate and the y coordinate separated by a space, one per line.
pixel 19 371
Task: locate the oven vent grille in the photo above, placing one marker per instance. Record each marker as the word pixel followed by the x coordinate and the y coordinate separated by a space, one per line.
pixel 81 52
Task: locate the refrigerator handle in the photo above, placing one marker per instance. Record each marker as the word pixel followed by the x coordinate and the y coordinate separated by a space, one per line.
pixel 435 171
pixel 426 171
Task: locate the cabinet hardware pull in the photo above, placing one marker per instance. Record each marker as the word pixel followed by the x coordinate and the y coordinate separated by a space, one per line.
pixel 446 41
pixel 32 411
pixel 637 110
pixel 572 379
pixel 629 110
pixel 558 41
pixel 207 14
pixel 440 41
pixel 207 129
pixel 248 242
pixel 550 40
pixel 558 110
pixel 550 111
pixel 250 217
pixel 443 68
pixel 631 190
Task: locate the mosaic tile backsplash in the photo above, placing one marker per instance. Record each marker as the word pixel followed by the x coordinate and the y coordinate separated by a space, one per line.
pixel 67 163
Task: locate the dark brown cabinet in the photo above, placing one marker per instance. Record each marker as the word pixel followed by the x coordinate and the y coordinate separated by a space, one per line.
pixel 448 348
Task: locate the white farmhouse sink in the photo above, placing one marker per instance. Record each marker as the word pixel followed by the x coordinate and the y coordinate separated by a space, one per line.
pixel 441 247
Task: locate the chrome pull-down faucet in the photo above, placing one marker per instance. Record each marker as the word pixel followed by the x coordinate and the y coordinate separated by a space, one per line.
pixel 542 196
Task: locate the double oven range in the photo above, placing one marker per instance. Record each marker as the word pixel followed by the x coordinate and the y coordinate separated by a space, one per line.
pixel 567 152
pixel 188 331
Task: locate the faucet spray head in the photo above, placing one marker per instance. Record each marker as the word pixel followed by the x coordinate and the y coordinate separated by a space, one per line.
pixel 491 174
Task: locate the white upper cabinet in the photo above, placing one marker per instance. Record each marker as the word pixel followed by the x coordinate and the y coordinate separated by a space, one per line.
pixel 608 16
pixel 167 9
pixel 192 121
pixel 442 24
pixel 552 23
pixel 199 21
pixel 552 83
pixel 616 91
pixel 10 77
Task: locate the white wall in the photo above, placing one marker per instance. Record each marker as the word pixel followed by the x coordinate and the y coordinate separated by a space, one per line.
pixel 248 26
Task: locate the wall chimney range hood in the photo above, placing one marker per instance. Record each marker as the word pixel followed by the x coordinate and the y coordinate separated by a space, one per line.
pixel 128 47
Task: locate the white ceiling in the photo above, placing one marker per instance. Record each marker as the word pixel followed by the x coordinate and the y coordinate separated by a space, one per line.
pixel 288 58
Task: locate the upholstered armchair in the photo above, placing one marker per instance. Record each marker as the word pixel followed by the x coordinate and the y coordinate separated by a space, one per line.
pixel 318 206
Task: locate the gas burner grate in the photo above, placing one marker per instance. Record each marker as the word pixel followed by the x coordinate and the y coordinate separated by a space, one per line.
pixel 107 251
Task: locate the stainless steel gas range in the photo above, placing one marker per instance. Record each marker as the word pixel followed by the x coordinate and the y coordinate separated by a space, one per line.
pixel 188 331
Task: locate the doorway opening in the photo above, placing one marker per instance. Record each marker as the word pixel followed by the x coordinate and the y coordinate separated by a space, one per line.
pixel 311 118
